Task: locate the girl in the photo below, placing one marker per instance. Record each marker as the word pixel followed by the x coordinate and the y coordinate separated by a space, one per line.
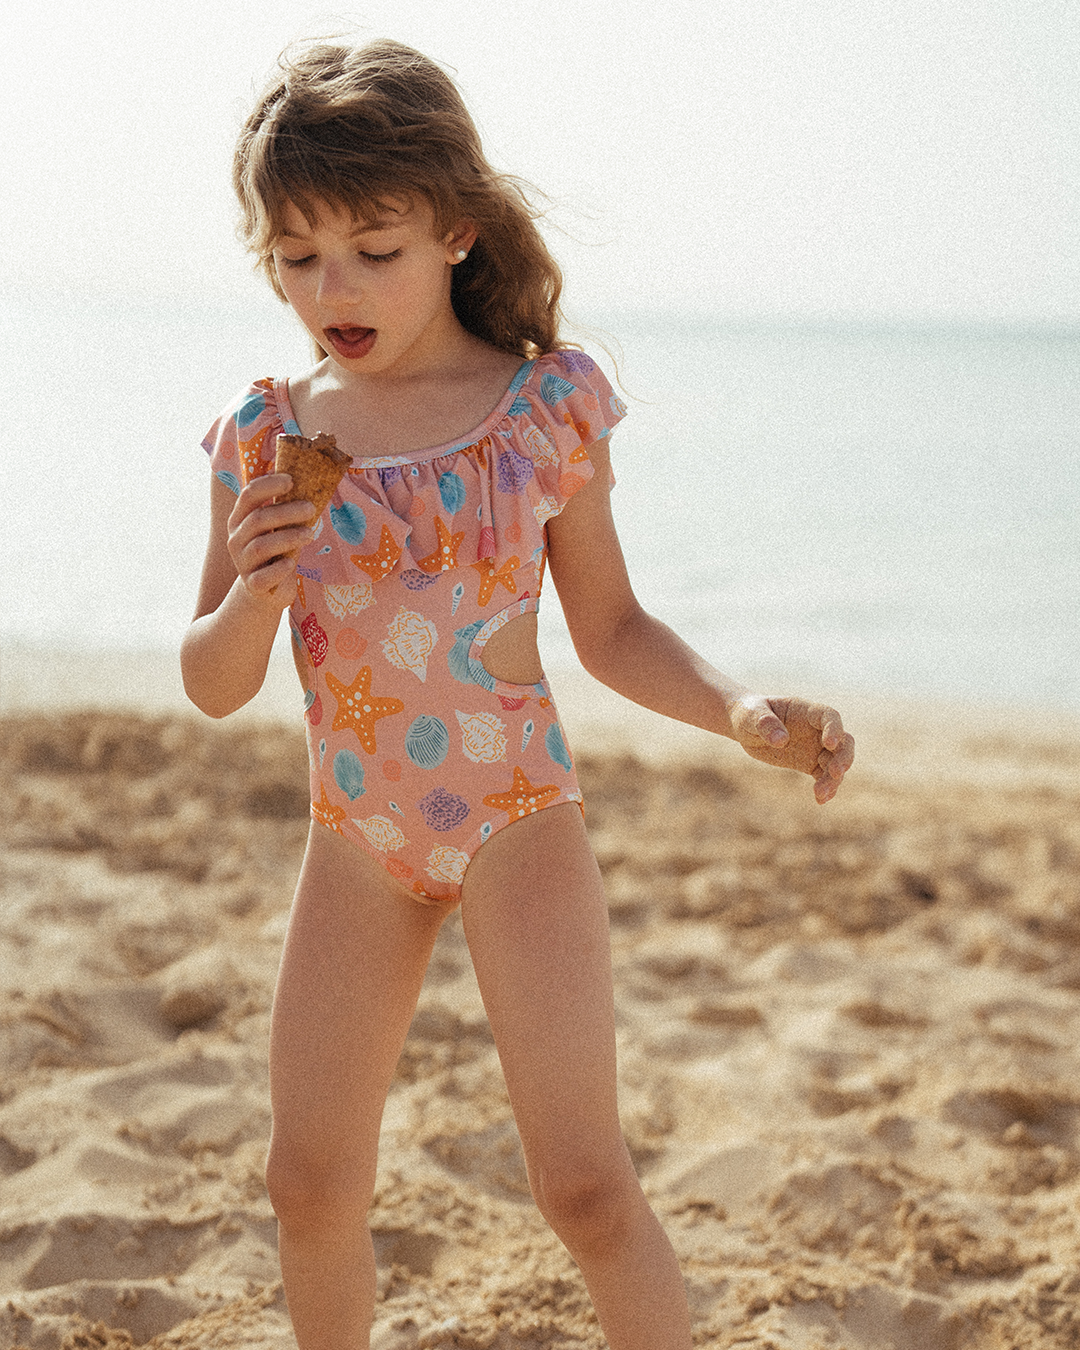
pixel 439 771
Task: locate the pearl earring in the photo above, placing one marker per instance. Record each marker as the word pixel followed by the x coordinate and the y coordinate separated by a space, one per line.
pixel 461 255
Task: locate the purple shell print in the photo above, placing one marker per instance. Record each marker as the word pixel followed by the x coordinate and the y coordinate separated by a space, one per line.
pixel 577 361
pixel 442 810
pixel 514 470
pixel 416 580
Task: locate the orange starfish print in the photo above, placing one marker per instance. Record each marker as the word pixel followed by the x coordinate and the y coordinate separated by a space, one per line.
pixel 523 799
pixel 478 449
pixel 358 709
pixel 445 556
pixel 383 561
pixel 326 813
pixel 490 578
pixel 252 463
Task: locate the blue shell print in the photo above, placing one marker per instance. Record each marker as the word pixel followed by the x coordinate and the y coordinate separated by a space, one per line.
pixel 452 491
pixel 520 407
pixel 349 774
pixel 250 409
pixel 556 746
pixel 349 522
pixel 457 658
pixel 553 389
pixel 427 742
pixel 229 479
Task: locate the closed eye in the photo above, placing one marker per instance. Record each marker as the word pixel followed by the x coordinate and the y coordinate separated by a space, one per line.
pixel 296 262
pixel 381 257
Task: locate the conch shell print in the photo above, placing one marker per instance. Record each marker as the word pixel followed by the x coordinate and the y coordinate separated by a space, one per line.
pixel 483 737
pixel 447 864
pixel 381 833
pixel 343 600
pixel 410 642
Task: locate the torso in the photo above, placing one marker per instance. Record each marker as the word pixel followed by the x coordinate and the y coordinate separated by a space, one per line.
pixel 372 419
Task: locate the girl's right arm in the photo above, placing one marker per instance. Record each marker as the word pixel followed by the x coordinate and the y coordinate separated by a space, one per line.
pixel 248 579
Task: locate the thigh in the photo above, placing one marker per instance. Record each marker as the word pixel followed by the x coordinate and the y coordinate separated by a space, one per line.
pixel 535 917
pixel 354 959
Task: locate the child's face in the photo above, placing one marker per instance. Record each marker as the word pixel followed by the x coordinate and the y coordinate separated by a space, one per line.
pixel 375 297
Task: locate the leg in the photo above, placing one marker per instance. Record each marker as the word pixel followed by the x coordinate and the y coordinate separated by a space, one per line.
pixel 536 921
pixel 354 961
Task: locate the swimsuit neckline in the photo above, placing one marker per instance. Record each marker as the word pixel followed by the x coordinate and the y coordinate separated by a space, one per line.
pixel 288 418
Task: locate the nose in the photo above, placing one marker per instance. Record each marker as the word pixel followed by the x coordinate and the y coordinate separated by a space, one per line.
pixel 338 283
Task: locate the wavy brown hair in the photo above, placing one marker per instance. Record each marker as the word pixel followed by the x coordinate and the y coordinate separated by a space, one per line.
pixel 350 127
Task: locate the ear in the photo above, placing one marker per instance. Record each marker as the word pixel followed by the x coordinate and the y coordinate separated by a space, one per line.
pixel 460 240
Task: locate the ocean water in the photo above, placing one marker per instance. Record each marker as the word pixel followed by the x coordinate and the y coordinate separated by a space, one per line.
pixel 882 509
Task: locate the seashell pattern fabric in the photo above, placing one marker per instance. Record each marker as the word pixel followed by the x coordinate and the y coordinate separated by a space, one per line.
pixel 417 561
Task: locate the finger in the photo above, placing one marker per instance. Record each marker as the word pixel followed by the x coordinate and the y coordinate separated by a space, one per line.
pixel 772 731
pixel 843 756
pixel 831 726
pixel 266 547
pixel 770 724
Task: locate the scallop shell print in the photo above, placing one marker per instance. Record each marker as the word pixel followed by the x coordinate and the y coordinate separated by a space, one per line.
pixel 483 737
pixel 447 864
pixel 410 642
pixel 553 389
pixel 427 742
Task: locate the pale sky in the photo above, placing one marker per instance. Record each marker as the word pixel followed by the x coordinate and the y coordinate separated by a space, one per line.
pixel 898 159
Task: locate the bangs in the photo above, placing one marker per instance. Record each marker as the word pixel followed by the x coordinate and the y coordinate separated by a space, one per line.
pixel 286 170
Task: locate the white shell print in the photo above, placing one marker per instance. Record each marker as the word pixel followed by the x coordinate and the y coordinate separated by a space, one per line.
pixel 410 642
pixel 457 594
pixel 322 752
pixel 485 831
pixel 544 509
pixel 483 737
pixel 526 734
pixel 381 833
pixel 342 600
pixel 541 445
pixel 447 864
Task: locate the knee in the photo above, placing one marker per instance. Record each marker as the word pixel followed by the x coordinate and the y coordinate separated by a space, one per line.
pixel 312 1192
pixel 589 1205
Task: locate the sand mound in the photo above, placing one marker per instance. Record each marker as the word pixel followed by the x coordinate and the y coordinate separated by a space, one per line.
pixel 849 1055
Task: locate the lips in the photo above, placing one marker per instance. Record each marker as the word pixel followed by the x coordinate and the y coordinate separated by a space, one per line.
pixel 351 342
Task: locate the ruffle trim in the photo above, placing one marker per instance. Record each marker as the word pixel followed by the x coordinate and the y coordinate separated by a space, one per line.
pixel 482 502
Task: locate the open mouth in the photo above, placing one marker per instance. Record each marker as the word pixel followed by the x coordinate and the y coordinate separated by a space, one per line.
pixel 351 342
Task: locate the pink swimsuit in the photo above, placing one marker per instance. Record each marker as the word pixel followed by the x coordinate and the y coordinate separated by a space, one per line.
pixel 418 755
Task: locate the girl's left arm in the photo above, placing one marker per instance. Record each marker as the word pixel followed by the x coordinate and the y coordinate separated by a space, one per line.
pixel 641 658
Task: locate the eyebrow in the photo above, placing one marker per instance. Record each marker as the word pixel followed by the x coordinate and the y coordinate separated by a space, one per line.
pixel 382 224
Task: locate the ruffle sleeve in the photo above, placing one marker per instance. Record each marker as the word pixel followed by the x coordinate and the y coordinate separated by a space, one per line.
pixel 242 442
pixel 564 406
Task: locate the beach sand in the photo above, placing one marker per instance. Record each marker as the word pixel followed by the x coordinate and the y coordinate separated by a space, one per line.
pixel 849 1037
